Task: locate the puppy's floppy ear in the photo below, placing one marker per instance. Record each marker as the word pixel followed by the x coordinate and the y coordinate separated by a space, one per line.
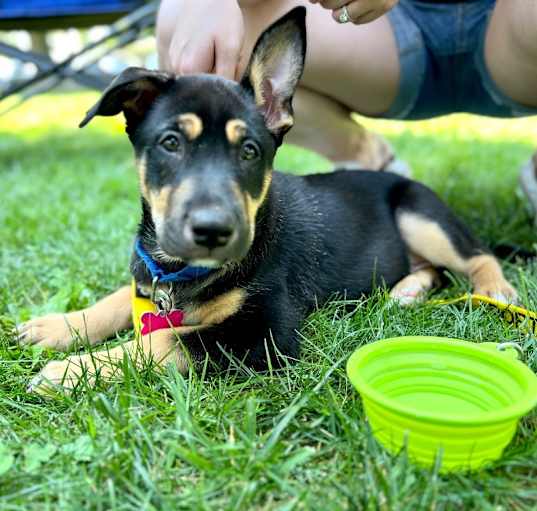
pixel 132 92
pixel 275 68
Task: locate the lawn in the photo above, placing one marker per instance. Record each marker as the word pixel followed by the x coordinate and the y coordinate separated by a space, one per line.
pixel 293 440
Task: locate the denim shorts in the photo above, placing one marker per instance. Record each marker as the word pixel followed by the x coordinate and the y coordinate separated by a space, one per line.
pixel 442 58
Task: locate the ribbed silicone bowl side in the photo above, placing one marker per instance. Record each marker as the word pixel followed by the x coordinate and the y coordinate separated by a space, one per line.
pixel 442 396
pixel 461 448
pixel 492 386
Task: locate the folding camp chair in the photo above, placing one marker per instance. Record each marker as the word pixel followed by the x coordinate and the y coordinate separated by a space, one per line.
pixel 127 19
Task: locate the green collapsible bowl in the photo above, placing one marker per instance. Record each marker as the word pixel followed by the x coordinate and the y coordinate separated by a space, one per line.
pixel 442 397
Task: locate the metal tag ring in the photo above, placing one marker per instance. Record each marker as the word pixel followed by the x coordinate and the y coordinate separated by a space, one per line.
pixel 161 298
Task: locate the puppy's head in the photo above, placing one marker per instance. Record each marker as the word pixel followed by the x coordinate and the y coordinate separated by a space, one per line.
pixel 205 145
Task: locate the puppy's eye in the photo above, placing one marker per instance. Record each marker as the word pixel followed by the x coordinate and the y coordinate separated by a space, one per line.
pixel 170 143
pixel 249 151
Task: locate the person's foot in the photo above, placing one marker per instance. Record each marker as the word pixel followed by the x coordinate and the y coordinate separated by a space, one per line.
pixel 373 152
pixel 329 128
pixel 399 167
pixel 528 182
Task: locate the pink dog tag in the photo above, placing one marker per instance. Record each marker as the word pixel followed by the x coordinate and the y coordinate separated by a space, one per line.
pixel 153 322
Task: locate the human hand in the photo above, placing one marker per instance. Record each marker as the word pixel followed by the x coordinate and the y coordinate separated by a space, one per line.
pixel 204 36
pixel 359 11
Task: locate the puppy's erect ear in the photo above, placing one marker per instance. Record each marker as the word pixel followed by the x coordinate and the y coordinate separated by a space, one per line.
pixel 275 68
pixel 132 92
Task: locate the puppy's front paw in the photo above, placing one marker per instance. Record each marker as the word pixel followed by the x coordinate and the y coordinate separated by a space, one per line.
pixel 58 376
pixel 54 331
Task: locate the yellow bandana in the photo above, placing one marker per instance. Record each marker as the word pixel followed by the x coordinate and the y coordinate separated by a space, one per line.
pixel 140 306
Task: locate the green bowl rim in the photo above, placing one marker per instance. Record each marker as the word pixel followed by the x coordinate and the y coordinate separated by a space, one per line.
pixel 512 412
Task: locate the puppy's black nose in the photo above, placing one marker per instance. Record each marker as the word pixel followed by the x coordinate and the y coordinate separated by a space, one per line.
pixel 211 228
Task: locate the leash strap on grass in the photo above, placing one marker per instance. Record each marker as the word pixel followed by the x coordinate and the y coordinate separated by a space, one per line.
pixel 519 317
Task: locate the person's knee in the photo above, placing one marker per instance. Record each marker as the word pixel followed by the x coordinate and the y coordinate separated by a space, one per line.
pixel 523 41
pixel 511 50
pixel 521 20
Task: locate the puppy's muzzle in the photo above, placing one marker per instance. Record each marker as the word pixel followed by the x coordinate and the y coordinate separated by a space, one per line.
pixel 212 233
pixel 210 228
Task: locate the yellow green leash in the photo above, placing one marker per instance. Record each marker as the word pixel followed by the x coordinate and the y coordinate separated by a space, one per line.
pixel 524 319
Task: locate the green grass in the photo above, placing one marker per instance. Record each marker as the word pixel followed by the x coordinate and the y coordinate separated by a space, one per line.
pixel 294 440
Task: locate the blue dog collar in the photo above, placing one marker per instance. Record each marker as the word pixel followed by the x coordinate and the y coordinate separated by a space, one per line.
pixel 187 274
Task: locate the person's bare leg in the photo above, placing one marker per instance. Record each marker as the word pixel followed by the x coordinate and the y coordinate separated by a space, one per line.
pixel 349 68
pixel 339 138
pixel 511 57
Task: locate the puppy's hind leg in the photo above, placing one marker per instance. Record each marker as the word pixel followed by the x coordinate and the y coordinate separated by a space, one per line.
pixel 94 324
pixel 487 279
pixel 434 233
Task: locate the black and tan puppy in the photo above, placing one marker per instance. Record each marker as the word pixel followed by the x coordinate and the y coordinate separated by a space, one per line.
pixel 242 252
